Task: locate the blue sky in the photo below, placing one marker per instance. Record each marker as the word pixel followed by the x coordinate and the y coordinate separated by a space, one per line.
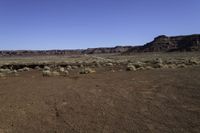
pixel 74 24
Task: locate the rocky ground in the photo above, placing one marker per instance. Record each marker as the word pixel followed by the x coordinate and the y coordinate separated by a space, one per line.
pixel 100 93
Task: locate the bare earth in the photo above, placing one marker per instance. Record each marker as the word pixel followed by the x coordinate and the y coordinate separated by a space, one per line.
pixel 150 101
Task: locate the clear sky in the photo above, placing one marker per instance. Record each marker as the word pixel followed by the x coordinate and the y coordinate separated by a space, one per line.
pixel 74 24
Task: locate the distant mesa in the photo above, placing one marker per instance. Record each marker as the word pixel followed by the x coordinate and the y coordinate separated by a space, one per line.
pixel 117 49
pixel 169 44
pixel 161 43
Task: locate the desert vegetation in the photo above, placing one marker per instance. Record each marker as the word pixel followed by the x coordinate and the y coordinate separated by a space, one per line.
pixel 143 92
pixel 86 64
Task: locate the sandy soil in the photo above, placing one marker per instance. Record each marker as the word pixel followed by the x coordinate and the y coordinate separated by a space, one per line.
pixel 151 101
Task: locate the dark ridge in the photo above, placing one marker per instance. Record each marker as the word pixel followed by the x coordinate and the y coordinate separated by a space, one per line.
pixel 169 44
pixel 117 49
pixel 161 43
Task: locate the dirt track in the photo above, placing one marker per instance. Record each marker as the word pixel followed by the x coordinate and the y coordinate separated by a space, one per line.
pixel 153 101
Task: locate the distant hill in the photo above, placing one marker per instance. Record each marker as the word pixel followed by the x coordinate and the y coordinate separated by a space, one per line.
pixel 159 44
pixel 168 44
pixel 39 52
pixel 117 49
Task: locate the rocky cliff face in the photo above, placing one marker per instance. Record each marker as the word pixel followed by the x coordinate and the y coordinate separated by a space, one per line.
pixel 189 43
pixel 167 44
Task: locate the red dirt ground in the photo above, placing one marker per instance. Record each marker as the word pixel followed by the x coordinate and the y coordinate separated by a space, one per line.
pixel 153 101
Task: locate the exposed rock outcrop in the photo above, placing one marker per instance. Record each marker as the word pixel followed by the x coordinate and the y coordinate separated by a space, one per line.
pixel 168 44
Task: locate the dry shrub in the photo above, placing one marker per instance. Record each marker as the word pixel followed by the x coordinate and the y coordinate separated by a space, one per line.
pixel 109 64
pixel 55 73
pixel 66 73
pixel 130 67
pixel 46 73
pixel 194 61
pixel 47 68
pixel 87 71
pixel 2 75
pixel 61 69
pixel 149 68
pixel 182 66
pixel 26 69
